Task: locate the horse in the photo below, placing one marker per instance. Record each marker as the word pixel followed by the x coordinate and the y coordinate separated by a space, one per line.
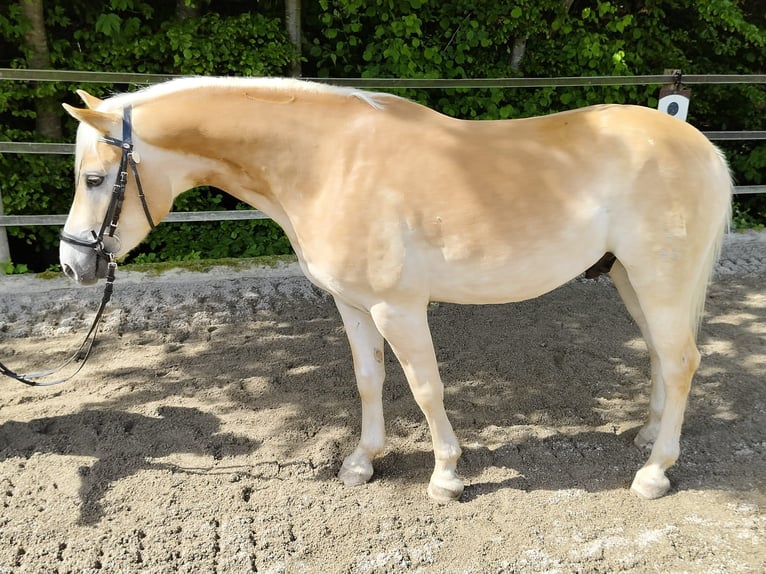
pixel 390 205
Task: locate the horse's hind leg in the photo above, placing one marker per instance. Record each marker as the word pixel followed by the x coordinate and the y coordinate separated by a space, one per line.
pixel 666 312
pixel 367 350
pixel 648 433
pixel 678 362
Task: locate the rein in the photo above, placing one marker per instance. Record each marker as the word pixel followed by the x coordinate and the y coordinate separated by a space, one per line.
pixel 82 353
pixel 108 228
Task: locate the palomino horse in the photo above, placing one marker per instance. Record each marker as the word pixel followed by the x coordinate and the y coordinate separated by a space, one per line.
pixel 390 205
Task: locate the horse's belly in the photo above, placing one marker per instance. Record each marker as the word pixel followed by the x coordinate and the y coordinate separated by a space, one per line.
pixel 505 281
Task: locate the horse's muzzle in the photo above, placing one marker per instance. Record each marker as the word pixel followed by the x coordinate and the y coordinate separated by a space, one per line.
pixel 82 264
pixel 86 278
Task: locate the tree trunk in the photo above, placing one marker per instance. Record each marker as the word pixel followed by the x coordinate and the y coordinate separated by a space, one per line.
pixel 184 11
pixel 47 114
pixel 517 55
pixel 48 122
pixel 520 44
pixel 293 24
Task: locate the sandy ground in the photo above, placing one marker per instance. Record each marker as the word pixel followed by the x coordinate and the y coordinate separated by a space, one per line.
pixel 206 432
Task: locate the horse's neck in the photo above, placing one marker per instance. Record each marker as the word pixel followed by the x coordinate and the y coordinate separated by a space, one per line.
pixel 254 146
pixel 265 151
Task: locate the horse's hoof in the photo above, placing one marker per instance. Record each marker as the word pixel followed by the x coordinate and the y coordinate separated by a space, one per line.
pixel 445 488
pixel 356 469
pixel 650 483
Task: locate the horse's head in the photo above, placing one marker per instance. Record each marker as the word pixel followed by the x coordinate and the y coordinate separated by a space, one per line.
pixel 121 190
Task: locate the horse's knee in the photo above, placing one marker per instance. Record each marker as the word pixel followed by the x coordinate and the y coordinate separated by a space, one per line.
pixel 428 395
pixel 369 383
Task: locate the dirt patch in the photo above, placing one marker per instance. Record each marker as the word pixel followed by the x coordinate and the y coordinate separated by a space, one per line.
pixel 206 433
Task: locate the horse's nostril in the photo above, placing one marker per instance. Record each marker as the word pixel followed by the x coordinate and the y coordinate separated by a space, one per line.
pixel 69 272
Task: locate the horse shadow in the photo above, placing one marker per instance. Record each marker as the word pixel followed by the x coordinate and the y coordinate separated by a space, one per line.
pixel 123 444
pixel 590 461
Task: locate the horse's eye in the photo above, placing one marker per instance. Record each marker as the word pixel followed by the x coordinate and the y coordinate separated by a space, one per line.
pixel 94 180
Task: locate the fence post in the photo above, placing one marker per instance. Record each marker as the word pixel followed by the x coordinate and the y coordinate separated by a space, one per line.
pixel 5 252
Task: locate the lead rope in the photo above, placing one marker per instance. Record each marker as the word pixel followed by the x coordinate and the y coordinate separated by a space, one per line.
pixel 108 226
pixel 82 353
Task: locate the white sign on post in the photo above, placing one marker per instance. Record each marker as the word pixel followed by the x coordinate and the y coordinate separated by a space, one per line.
pixel 674 98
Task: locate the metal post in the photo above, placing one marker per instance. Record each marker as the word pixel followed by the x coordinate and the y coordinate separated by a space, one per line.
pixel 5 252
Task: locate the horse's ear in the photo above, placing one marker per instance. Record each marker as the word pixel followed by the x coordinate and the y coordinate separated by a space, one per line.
pixel 91 101
pixel 104 122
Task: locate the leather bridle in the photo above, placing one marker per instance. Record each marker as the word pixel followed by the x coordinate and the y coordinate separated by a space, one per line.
pixel 112 215
pixel 108 228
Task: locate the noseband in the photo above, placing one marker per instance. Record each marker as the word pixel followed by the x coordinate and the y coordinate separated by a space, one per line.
pixel 108 227
pixel 112 215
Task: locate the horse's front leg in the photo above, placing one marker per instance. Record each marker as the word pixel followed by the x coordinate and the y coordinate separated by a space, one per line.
pixel 405 327
pixel 367 350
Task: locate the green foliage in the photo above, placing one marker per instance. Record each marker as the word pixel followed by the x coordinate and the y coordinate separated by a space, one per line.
pixel 742 218
pixel 216 240
pixel 35 184
pixel 130 36
pixel 474 40
pixel 10 268
pixel 379 38
pixel 231 46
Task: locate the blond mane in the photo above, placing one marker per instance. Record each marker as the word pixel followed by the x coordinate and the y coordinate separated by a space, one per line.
pixel 278 85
